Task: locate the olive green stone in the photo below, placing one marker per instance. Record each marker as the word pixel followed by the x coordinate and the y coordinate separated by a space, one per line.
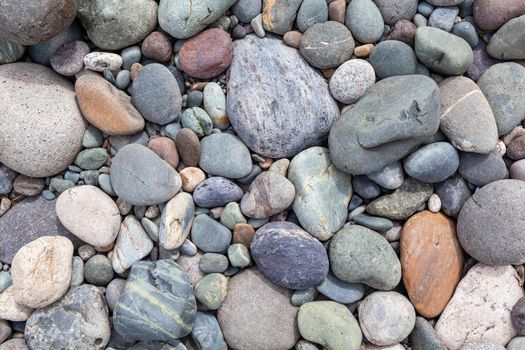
pixel 211 290
pixel 91 159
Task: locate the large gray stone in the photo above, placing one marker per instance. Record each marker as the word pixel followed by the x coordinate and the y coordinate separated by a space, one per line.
pixel 432 163
pixel 295 113
pixel 508 43
pixel 366 138
pixel 482 169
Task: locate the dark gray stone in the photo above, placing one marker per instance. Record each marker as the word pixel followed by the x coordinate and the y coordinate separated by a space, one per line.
pixel 482 169
pixel 453 193
pixel 278 16
pixel 210 236
pixel 207 334
pixel 390 177
pixel 432 163
pixel 246 10
pixel 424 337
pixel 141 177
pixel 311 12
pixel 213 263
pixel 10 51
pixel 157 303
pixel 482 61
pixel 289 256
pixel 98 270
pixel 7 176
pixel 340 291
pixel 216 192
pixel 364 20
pixel 443 18
pixel 78 320
pixel 156 94
pixel 365 188
pixel 393 11
pixel 366 138
pixel 467 32
pixel 223 154
pixel 117 142
pixel 508 42
pixel 490 224
pixel 392 57
pixel 518 316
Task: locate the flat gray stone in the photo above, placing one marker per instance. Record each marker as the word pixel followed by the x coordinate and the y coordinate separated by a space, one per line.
pixel 508 43
pixel 224 154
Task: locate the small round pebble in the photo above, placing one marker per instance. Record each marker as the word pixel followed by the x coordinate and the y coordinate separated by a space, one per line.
pixel 351 81
pixel 434 203
pixel 213 263
pixel 239 255
pixel 98 270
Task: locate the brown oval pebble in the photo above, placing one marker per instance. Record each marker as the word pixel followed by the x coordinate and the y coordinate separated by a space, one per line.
pixel 134 70
pixel 165 149
pixel 207 54
pixel 516 148
pixel 363 50
pixel 243 233
pixel 106 107
pixel 492 14
pixel 337 11
pixel 191 177
pixel 157 46
pixel 432 261
pixel 293 38
pixel 404 31
pixel 68 59
pixel 189 147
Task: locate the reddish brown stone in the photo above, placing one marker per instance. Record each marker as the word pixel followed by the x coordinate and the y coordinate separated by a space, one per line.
pixel 189 147
pixel 404 31
pixel 166 149
pixel 337 11
pixel 135 67
pixel 207 54
pixel 516 148
pixel 492 14
pixel 432 261
pixel 157 46
pixel 243 233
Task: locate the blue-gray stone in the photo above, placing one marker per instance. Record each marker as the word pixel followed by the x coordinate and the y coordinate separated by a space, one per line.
pixel 198 120
pixel 93 137
pixel 60 185
pixel 157 303
pixel 209 235
pixel 90 177
pixel 72 176
pixel 117 142
pixel 129 56
pixel 171 130
pixel 432 163
pixel 364 20
pixel 10 51
pixel 141 177
pixel 98 270
pixel 232 215
pixel 453 193
pixel 467 32
pixel 390 177
pixel 213 263
pixel 104 181
pixel 206 333
pixel 278 16
pixel 5 280
pixel 225 155
pixel 151 229
pixel 365 188
pixel 443 18
pixel 188 248
pixel 482 169
pixel 505 44
pixel 311 12
pixel 194 98
pixel 340 291
pixel 289 256
pixel 48 195
pixel 92 158
pixel 373 222
pixel 246 10
pixel 256 170
pixel 466 8
pixel 393 11
pixel 7 176
pixel 425 337
pixel 156 95
pixel 425 8
pixel 354 202
pixel 177 74
pixel 300 297
pixel 393 57
pixel 123 79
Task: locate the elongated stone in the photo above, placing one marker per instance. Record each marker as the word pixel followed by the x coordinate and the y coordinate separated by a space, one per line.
pixel 133 243
pixel 176 221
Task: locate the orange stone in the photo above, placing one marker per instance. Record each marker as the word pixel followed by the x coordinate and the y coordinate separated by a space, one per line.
pixel 106 107
pixel 243 233
pixel 165 149
pixel 432 261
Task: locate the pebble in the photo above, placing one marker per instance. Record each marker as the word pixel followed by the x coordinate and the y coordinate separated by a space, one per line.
pixel 396 11
pixel 14 344
pixel 340 291
pixel 5 331
pixel 197 120
pixel 191 177
pixel 68 59
pixel 7 177
pixel 10 51
pixel 386 318
pixel 102 61
pixel 455 54
pixel 189 147
pixel 88 326
pixel 77 272
pixel 213 263
pixel 207 334
pixel 210 236
pixel 140 177
pixel 246 10
pixel 243 233
pixel 482 61
pixel 517 170
pixel 489 15
pixel 157 46
pixel 373 222
pixel 404 31
pixel 113 292
pixel 278 17
pixel 330 325
pixel 232 215
pixel 268 194
pixel 467 32
pixel 432 163
pixel 337 11
pixel 364 21
pixel 130 55
pixel 292 38
pixel 420 21
pixel 505 44
pixel 206 54
pixel 28 186
pixel 352 80
pixel 156 95
pixel 10 310
pixel 434 203
pixel 225 155
pixel 302 263
pixel 482 169
pixel 211 290
pixel 518 316
pixel 431 260
pixel 365 188
pixel 516 343
pixel 443 18
pixel 445 2
pixel 176 221
pixel 90 214
pixel 98 270
pixel 117 142
pixel 41 271
pixel 257 25
pixel 214 102
pixel 60 185
pixel 424 336
pixel 311 12
pixel 133 244
pixel 188 248
pixel 91 159
pixel 45 93
pixel 392 57
pixel 239 255
pixel 358 254
pixel 300 297
pixel 390 177
pixel 247 316
pixel 163 282
pixel 305 111
pixel 5 281
pixel 327 45
pixel 165 149
pixel 481 307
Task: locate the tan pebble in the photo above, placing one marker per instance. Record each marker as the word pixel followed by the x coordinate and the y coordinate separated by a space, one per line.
pixel 292 38
pixel 135 67
pixel 198 86
pixel 266 164
pixel 216 212
pixel 280 166
pixel 152 212
pixel 10 310
pixel 123 206
pixel 191 177
pixel 363 50
pixel 5 205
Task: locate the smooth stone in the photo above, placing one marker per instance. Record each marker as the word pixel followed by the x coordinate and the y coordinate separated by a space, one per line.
pixel 507 42
pixel 364 140
pixel 123 79
pixel 300 297
pixel 165 149
pixel 327 45
pixel 225 155
pixel 98 270
pixel 198 120
pixel 420 21
pixel 115 25
pixel 467 32
pixel 482 61
pixel 364 20
pixel 392 57
pixel 10 51
pixel 5 280
pixel 210 236
pixel 191 177
pixel 390 177
pixel 176 221
pixel 184 19
pixel 443 52
pixel 481 307
pixel 277 129
pixel 502 85
pixel 340 291
pixel 130 55
pixel 28 186
pixel 82 311
pixel 365 188
pixel 431 260
pixel 393 12
pixel 518 316
pixel 157 46
pixel 5 331
pixel 482 169
pixel 113 292
pixel 91 159
pixel 358 254
pixel 214 101
pixel 189 147
pixel 90 214
pixel 311 12
pixel 445 2
pixel 330 325
pixel 243 233
pixel 216 192
pixel 482 345
pixel 278 16
pixel 93 137
pixel 68 59
pixel 386 318
pixel 45 93
pixel 140 177
pixel 77 272
pixel 102 62
pixel 466 116
pixel 207 334
pixel 156 95
pixel 133 244
pixel 443 18
pixel 373 222
pixel 239 255
pixel 10 310
pixel 516 343
pixel 424 336
pixel 211 290
pixel 7 177
pixel 195 98
pixel 41 271
pixel 188 248
pixel 432 163
pixel 41 52
pixel 60 185
pixel 257 314
pixel 453 193
pixel 117 142
pixel 289 256
pixel 232 215
pixel 489 15
pixel 489 227
pixel 352 80
pixel 246 10
pixel 213 263
pixel 269 194
pixel 517 170
pixel 150 284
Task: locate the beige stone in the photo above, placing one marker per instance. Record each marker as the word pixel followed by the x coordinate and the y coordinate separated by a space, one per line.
pixel 10 310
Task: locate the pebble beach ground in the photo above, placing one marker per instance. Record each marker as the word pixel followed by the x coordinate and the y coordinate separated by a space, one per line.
pixel 262 175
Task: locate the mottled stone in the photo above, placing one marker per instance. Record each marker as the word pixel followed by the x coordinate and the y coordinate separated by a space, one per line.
pixel 176 221
pixel 211 290
pixel 214 101
pixel 10 310
pixel 225 155
pixel 278 16
pixel 157 46
pixel 424 336
pixel 10 51
pixel 352 80
pixel 246 10
pixel 132 244
pixel 269 194
pixel 404 31
pixel 392 57
pixel 207 334
pixel 216 192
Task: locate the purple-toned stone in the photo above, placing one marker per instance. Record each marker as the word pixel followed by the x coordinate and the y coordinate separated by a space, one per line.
pixel 216 192
pixel 482 61
pixel 68 59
